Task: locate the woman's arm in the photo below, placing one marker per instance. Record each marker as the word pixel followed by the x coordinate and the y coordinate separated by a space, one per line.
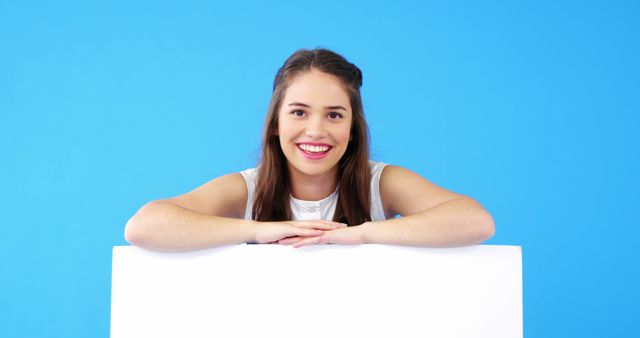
pixel 164 226
pixel 205 217
pixel 458 222
pixel 209 216
pixel 433 216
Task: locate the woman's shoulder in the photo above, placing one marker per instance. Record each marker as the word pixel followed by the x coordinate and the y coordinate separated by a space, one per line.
pixel 407 192
pixel 250 175
pixel 376 167
pixel 221 196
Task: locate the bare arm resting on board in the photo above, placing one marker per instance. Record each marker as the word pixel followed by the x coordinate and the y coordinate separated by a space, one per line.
pixel 433 217
pixel 210 216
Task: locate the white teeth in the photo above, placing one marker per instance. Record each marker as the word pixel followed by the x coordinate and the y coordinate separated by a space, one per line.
pixel 313 149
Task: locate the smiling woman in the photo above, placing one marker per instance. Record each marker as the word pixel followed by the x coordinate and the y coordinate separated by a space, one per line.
pixel 315 182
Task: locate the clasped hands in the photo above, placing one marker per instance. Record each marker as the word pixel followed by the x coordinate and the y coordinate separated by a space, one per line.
pixel 301 233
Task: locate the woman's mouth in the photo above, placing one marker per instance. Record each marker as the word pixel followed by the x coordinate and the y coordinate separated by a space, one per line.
pixel 314 152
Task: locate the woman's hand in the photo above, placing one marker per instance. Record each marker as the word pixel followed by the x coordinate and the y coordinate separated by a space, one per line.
pixel 273 232
pixel 343 235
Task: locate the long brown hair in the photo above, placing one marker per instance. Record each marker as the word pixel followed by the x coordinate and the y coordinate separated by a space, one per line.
pixel 273 187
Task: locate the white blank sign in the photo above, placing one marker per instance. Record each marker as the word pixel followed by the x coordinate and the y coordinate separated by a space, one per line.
pixel 318 291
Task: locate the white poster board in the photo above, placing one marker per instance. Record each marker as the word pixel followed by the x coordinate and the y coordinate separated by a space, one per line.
pixel 318 291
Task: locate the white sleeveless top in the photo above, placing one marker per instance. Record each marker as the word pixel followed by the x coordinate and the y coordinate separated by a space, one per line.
pixel 324 208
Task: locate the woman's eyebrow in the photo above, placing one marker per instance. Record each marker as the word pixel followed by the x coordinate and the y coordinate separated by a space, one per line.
pixel 308 106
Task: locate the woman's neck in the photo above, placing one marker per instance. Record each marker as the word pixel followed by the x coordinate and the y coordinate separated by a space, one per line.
pixel 312 188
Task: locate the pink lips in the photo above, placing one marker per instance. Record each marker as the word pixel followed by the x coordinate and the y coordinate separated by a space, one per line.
pixel 314 156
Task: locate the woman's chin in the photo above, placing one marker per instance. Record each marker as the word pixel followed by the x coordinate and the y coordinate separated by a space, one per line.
pixel 315 168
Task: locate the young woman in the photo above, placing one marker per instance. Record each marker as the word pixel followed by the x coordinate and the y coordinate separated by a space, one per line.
pixel 315 183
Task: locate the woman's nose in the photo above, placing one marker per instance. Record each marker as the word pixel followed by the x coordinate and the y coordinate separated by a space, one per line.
pixel 315 129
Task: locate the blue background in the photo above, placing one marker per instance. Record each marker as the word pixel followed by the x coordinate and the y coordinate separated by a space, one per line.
pixel 529 107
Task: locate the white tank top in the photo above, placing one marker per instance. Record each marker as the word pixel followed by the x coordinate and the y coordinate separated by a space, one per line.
pixel 324 208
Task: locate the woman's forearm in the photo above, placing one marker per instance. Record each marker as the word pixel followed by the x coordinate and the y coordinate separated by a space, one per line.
pixel 458 222
pixel 163 226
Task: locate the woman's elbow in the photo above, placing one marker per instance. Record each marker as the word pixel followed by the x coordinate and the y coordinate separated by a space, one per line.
pixel 482 222
pixel 141 229
pixel 136 231
pixel 486 226
pixel 133 233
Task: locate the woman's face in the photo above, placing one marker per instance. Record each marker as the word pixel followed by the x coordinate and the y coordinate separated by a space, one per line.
pixel 314 123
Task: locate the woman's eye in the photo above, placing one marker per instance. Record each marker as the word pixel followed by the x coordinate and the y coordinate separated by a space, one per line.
pixel 334 115
pixel 298 113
